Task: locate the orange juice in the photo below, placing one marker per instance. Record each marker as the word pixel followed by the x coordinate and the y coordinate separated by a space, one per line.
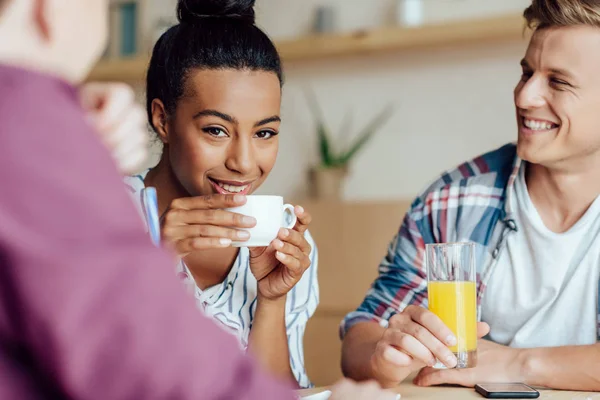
pixel 455 303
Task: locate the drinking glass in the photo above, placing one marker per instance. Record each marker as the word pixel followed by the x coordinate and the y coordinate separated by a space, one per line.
pixel 452 292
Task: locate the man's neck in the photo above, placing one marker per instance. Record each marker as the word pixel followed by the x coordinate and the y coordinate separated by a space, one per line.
pixel 562 195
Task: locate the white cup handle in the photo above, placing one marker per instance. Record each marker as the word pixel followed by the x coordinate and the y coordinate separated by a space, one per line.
pixel 289 209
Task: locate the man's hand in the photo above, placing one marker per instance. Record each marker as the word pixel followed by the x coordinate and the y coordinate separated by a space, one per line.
pixel 415 338
pixel 495 363
pixel 120 122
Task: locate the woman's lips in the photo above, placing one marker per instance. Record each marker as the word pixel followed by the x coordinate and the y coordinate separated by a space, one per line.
pixel 230 188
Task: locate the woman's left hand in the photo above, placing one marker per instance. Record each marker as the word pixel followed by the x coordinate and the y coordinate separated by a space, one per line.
pixel 279 267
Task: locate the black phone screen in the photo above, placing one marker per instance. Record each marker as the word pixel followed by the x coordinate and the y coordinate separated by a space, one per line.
pixel 506 391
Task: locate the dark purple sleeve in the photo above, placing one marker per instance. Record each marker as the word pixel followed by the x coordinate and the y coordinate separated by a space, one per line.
pixel 96 304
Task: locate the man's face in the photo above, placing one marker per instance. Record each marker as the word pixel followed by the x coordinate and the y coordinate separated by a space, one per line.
pixel 558 97
pixel 77 31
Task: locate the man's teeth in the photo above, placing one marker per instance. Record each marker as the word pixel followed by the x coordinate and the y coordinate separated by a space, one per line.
pixel 231 188
pixel 537 125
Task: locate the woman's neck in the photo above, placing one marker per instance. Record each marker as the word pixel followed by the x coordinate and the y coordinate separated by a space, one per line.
pixel 167 186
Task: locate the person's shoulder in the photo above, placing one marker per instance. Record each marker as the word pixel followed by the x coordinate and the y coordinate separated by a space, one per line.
pixel 44 129
pixel 29 93
pixel 488 171
pixel 134 183
pixel 39 112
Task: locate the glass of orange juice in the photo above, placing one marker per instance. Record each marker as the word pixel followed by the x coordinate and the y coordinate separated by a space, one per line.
pixel 451 288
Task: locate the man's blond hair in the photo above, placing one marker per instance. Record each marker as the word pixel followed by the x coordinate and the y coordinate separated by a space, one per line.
pixel 550 13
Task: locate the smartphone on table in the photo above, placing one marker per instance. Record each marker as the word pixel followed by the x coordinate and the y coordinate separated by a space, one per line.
pixel 506 391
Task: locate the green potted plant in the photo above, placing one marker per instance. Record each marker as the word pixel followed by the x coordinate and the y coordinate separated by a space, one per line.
pixel 327 178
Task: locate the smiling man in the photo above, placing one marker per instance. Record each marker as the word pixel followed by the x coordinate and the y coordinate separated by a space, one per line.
pixel 534 208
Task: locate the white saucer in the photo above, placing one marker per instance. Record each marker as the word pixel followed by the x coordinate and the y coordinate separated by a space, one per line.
pixel 318 396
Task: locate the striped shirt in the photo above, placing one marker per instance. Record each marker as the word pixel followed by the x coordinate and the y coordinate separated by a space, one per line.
pixel 233 302
pixel 470 203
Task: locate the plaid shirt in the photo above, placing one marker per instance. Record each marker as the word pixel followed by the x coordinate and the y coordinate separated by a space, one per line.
pixel 469 203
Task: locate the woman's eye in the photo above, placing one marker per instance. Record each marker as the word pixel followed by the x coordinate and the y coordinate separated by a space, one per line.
pixel 265 134
pixel 216 132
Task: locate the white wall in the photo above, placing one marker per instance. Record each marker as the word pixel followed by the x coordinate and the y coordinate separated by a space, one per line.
pixel 451 104
pixel 290 18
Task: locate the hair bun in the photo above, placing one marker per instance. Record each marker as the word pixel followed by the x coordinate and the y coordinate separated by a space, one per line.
pixel 193 10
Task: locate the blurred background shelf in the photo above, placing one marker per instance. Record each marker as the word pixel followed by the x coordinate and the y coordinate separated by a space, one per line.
pixel 125 69
pixel 482 30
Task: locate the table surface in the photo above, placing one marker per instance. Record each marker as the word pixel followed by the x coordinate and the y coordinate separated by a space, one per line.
pixel 410 391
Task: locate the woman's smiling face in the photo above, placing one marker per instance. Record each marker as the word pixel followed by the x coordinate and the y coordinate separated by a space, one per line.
pixel 223 135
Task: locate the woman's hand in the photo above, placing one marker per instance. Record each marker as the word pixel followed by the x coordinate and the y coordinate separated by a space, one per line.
pixel 280 266
pixel 196 223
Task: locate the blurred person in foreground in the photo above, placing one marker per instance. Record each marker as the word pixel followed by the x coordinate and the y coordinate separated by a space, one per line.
pixel 89 309
pixel 535 210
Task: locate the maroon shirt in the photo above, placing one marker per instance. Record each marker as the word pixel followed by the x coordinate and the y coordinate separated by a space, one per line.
pixel 89 308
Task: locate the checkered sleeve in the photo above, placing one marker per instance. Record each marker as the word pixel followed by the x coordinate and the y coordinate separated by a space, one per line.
pixel 463 204
pixel 402 280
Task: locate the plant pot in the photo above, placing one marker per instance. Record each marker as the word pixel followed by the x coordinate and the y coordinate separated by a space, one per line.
pixel 327 183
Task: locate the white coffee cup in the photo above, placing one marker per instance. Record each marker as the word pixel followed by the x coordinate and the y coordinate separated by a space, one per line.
pixel 270 214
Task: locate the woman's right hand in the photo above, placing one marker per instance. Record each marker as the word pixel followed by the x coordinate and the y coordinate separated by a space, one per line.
pixel 196 223
pixel 349 390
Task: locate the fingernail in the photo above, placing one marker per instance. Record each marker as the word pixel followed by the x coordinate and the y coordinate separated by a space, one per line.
pixel 225 242
pixel 238 198
pixel 277 243
pixel 281 255
pixel 299 209
pixel 243 235
pixel 249 220
pixel 451 340
pixel 284 232
pixel 451 361
pixel 393 356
